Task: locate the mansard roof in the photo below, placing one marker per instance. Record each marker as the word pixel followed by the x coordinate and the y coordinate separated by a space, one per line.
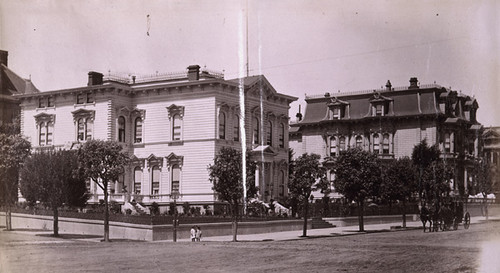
pixel 404 102
pixel 15 84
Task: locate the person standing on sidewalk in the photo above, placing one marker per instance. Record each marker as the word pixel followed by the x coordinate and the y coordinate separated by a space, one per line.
pixel 193 234
pixel 198 234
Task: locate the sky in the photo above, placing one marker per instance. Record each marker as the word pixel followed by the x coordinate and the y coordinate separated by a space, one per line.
pixel 302 47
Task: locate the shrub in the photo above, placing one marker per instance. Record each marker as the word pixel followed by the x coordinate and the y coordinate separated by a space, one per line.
pixel 155 208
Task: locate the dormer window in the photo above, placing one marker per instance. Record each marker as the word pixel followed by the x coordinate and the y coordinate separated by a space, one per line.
pixel 380 105
pixel 337 108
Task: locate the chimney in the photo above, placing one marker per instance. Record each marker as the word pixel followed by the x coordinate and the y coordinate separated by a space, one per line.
pixel 413 83
pixel 3 57
pixel 193 72
pixel 388 85
pixel 95 78
pixel 299 115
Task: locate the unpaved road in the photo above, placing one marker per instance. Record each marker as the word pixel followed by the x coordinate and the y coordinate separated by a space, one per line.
pixel 474 250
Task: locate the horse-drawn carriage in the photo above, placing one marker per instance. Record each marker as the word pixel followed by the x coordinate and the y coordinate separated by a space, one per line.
pixel 445 215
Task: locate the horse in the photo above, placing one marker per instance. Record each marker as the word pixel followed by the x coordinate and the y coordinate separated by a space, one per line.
pixel 425 216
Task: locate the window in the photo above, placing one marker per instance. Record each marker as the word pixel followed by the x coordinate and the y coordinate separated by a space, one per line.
pixel 222 125
pixel 336 113
pixel 281 136
pixel 138 130
pixel 333 146
pixel 332 179
pixel 41 102
pixel 155 180
pixel 376 144
pixel 176 127
pixel 281 180
pixel 50 132
pixel 137 180
pixel 447 143
pixel 378 110
pixel 359 142
pixel 256 131
pixel 236 128
pixel 81 130
pixel 88 129
pixel 121 129
pixel 50 102
pixel 90 97
pixel 42 135
pixel 342 144
pixel 385 147
pixel 80 98
pixel 176 175
pixel 269 134
pixel 83 98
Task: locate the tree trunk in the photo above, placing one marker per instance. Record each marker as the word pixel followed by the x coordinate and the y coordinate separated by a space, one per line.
pixel 360 216
pixel 404 213
pixel 56 221
pixel 8 218
pixel 235 221
pixel 306 208
pixel 106 214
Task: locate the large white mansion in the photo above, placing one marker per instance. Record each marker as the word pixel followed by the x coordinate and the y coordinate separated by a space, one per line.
pixel 172 126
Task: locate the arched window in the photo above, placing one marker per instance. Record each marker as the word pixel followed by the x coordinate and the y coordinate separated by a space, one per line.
pixel 236 128
pixel 176 127
pixel 376 144
pixel 269 134
pixel 176 176
pixel 222 125
pixel 42 134
pixel 386 144
pixel 281 136
pixel 81 129
pixel 121 129
pixel 137 180
pixel 50 132
pixel 138 130
pixel 333 146
pixel 359 142
pixel 155 180
pixel 342 144
pixel 256 131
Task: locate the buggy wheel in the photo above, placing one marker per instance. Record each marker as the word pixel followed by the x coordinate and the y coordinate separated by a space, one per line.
pixel 466 220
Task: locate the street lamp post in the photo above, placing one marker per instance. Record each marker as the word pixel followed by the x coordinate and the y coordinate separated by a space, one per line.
pixel 174 195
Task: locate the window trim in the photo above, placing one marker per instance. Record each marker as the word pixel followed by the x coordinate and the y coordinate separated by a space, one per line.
pixel 122 131
pixel 269 133
pixel 138 184
pixel 138 138
pixel 153 182
pixel 281 136
pixel 236 128
pixel 222 125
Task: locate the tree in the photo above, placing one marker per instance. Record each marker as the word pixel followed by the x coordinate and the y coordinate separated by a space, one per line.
pixel 357 177
pixel 13 151
pixel 434 174
pixel 482 182
pixel 399 182
pixel 307 175
pixel 422 156
pixel 102 162
pixel 55 179
pixel 226 175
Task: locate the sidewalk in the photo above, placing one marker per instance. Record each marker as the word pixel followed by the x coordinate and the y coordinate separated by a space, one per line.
pixel 328 232
pixel 260 237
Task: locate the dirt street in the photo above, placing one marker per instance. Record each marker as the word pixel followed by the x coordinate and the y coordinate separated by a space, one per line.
pixel 472 250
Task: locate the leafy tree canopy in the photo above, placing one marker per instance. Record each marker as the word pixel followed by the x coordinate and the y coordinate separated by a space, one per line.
pixel 13 151
pixel 307 175
pixel 357 174
pixel 226 175
pixel 54 178
pixel 102 161
pixel 399 180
